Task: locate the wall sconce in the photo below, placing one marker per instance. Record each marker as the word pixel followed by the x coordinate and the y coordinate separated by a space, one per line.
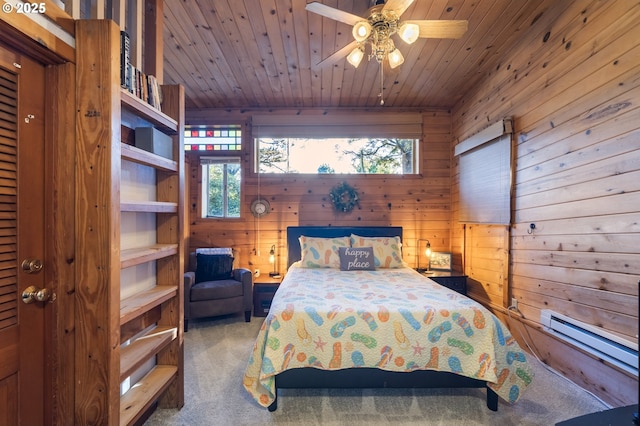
pixel 272 260
pixel 424 250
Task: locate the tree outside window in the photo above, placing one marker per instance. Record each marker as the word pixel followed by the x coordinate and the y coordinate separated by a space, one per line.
pixel 337 155
pixel 222 180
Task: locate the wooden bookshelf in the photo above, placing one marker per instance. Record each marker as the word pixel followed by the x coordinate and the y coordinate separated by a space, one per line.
pixel 133 343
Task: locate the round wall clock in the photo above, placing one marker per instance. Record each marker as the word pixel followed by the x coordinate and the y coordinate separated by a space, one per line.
pixel 260 207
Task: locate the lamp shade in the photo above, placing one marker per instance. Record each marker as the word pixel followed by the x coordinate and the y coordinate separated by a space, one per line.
pixel 361 31
pixel 423 254
pixel 409 32
pixel 355 57
pixel 272 260
pixel 395 58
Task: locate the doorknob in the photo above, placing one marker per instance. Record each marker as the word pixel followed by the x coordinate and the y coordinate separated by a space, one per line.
pixel 34 294
pixel 31 266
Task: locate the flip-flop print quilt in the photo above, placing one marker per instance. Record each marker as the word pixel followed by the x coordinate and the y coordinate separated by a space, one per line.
pixel 391 319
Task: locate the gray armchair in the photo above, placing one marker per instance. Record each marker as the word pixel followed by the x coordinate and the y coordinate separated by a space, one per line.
pixel 218 296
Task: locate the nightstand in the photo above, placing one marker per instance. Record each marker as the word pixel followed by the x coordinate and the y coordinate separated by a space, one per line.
pixel 454 280
pixel 263 292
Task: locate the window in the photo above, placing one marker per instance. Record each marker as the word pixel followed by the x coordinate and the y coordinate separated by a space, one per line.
pixel 337 155
pixel 373 143
pixel 213 138
pixel 221 179
pixel 221 174
pixel 485 175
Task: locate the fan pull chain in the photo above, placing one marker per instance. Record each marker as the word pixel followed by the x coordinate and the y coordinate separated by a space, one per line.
pixel 381 95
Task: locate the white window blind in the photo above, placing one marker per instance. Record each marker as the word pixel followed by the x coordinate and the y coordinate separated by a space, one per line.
pixel 373 125
pixel 485 176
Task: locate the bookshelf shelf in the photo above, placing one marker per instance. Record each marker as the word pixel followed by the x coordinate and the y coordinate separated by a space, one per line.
pixel 138 399
pixel 144 301
pixel 137 155
pixel 143 348
pixel 148 207
pixel 146 111
pixel 137 256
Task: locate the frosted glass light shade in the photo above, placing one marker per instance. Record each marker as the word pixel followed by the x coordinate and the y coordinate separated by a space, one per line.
pixel 395 58
pixel 409 32
pixel 361 31
pixel 355 57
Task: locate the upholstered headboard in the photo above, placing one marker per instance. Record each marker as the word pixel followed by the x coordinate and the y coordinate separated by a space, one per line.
pixel 294 232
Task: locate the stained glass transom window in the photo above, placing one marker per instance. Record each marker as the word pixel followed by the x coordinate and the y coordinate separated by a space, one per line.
pixel 213 138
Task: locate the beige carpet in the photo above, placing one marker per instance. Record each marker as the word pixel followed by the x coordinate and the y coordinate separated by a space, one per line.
pixel 217 350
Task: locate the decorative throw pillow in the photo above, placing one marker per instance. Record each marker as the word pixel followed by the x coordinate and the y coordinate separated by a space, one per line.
pixel 387 251
pixel 356 259
pixel 321 252
pixel 211 267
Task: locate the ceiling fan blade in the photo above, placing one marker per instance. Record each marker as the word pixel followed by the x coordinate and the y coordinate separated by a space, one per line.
pixel 337 55
pixel 441 29
pixel 330 12
pixel 398 6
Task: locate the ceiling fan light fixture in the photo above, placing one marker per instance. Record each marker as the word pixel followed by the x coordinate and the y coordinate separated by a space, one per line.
pixel 355 57
pixel 395 58
pixel 377 29
pixel 361 31
pixel 409 32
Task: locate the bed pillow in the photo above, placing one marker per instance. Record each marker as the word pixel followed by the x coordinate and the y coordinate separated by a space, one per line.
pixel 356 259
pixel 387 251
pixel 321 252
pixel 212 267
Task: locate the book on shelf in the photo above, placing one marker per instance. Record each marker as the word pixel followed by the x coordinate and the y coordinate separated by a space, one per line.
pixel 141 85
pixel 125 59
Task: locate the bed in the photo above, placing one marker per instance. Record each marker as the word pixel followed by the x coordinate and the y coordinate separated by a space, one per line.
pixel 388 327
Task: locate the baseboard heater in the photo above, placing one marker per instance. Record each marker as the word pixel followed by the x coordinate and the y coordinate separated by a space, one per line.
pixel 596 341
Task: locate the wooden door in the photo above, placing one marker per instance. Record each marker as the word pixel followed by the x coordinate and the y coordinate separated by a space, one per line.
pixel 22 238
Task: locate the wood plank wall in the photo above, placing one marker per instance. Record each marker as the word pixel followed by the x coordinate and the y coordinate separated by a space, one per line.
pixel 421 204
pixel 572 85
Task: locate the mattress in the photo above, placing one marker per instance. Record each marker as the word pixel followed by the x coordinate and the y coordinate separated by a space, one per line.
pixel 390 319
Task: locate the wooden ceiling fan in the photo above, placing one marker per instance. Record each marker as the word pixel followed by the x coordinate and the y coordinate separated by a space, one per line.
pixel 376 30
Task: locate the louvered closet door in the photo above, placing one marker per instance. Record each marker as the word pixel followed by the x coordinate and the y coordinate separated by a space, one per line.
pixel 22 212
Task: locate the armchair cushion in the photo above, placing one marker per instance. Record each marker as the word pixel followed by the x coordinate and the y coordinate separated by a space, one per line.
pixel 212 267
pixel 214 290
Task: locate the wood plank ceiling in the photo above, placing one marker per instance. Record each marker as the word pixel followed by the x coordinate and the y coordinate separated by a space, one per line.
pixel 263 53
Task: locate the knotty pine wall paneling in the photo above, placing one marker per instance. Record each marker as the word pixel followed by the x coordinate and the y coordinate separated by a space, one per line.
pixel 418 203
pixel 572 86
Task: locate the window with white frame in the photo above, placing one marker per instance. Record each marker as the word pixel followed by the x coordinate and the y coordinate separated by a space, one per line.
pixel 221 187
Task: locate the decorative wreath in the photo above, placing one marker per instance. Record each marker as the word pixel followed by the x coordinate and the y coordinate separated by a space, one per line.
pixel 344 197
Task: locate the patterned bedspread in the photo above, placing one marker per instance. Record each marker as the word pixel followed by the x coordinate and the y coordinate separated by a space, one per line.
pixel 391 319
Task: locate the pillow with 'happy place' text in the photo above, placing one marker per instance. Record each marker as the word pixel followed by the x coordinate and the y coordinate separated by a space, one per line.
pixel 356 259
pixel 387 251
